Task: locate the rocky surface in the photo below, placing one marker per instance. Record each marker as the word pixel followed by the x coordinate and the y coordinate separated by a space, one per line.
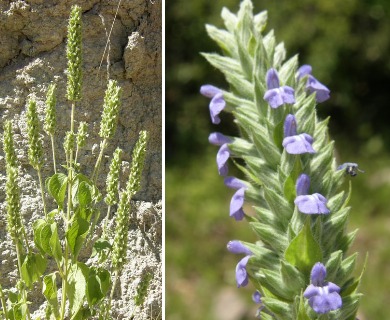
pixel 32 55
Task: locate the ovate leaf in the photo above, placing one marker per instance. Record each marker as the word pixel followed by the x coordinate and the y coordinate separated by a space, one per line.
pixel 304 251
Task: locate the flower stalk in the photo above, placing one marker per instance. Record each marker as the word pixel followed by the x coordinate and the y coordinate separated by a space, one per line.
pixel 289 175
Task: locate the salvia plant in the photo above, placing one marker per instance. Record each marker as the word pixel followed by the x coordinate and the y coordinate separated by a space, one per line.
pixel 71 202
pixel 299 267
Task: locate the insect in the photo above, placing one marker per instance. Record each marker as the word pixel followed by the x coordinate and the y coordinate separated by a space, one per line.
pixel 350 168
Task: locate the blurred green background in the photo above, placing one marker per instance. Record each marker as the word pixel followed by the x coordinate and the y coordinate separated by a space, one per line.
pixel 347 43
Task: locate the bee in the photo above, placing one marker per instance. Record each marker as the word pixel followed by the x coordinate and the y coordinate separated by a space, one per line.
pixel 350 168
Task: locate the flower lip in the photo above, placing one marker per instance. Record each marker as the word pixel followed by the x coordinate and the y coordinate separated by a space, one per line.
pixel 302 185
pixel 298 144
pixel 241 274
pixel 272 79
pixel 290 126
pixel 209 90
pixel 218 139
pixel 304 70
pixel 234 183
pixel 222 158
pixel 236 247
pixel 236 205
pixel 312 204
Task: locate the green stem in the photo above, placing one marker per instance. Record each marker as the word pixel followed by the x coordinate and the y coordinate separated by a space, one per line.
pixel 42 191
pixel 116 275
pixel 24 293
pixel 67 219
pixel 3 305
pixel 99 160
pixel 54 154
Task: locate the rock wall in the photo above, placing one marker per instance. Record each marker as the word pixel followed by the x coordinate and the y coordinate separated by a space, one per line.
pixel 32 55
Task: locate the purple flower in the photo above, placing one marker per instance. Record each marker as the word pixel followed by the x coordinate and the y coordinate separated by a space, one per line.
pixel 302 185
pixel 256 297
pixel 296 143
pixel 309 204
pixel 217 103
pixel 238 198
pixel 241 274
pixel 323 296
pixel 313 85
pixel 236 246
pixel 275 94
pixel 222 158
pixel 218 139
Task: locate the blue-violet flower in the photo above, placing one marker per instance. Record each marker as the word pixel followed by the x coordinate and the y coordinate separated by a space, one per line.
pixel 222 158
pixel 217 103
pixel 218 139
pixel 275 94
pixel 309 204
pixel 313 85
pixel 238 198
pixel 237 247
pixel 323 296
pixel 256 298
pixel 296 143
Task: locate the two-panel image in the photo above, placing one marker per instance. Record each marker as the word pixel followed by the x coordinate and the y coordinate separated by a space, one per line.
pixel 223 160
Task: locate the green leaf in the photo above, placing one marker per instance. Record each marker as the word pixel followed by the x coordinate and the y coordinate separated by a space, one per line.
pixel 49 290
pixel 77 286
pixel 84 194
pixel 100 246
pixel 98 285
pixel 34 265
pixel 54 242
pixel 304 251
pixel 41 232
pixel 56 186
pixel 77 233
pixel 46 238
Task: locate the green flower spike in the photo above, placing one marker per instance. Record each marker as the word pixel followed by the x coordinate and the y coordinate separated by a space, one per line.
pixel 8 145
pixel 110 110
pixel 123 214
pixel 82 134
pixel 137 165
pixel 14 220
pixel 74 55
pixel 35 151
pixel 69 141
pixel 50 119
pixel 113 178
